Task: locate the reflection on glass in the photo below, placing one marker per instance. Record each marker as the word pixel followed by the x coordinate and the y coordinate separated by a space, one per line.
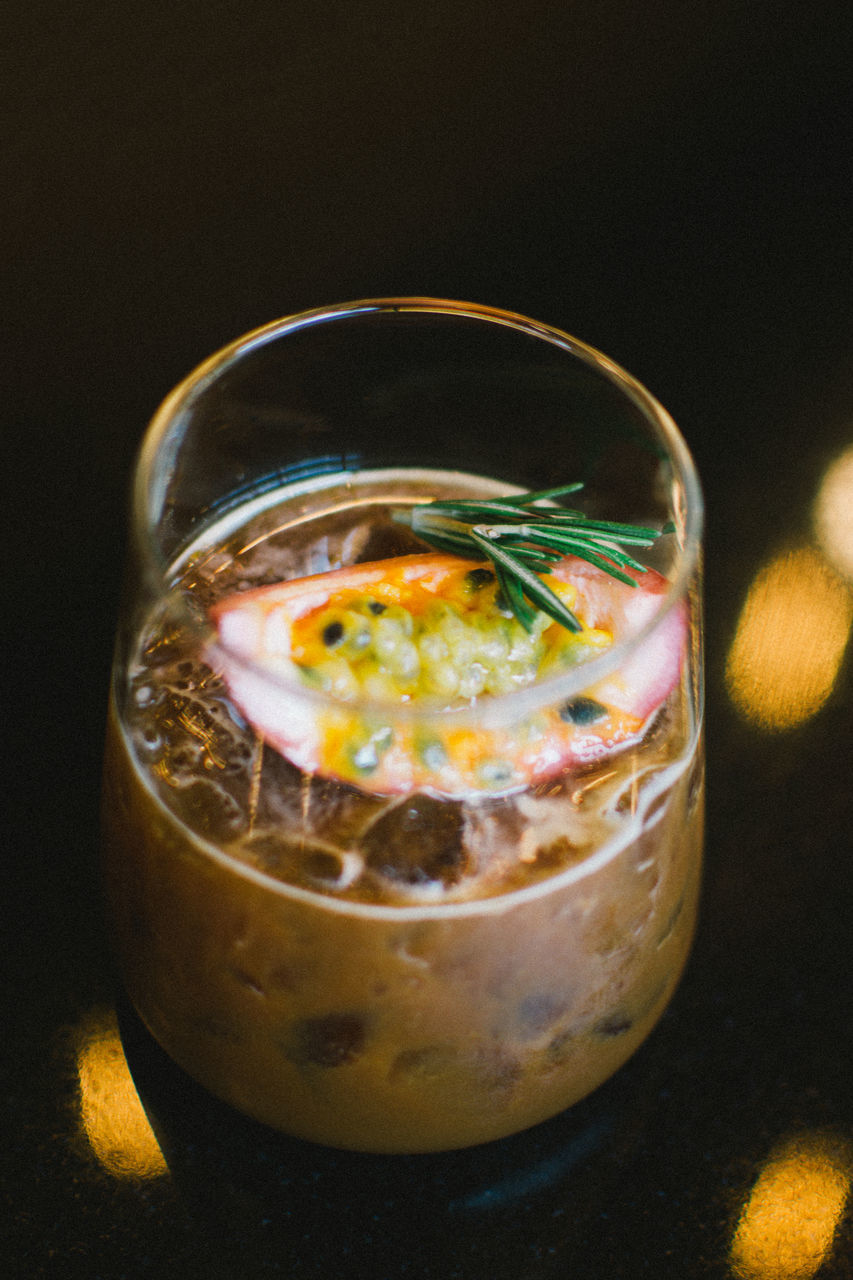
pixel 786 1228
pixel 111 1114
pixel 833 514
pixel 789 641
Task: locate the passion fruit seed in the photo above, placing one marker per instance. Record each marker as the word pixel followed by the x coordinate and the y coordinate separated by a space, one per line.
pixel 333 633
pixel 582 711
pixel 496 773
pixel 432 752
pixel 476 579
pixel 460 645
pixel 367 750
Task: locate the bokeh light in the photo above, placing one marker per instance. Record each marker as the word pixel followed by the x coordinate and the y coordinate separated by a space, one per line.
pixel 787 1225
pixel 833 514
pixel 111 1114
pixel 790 640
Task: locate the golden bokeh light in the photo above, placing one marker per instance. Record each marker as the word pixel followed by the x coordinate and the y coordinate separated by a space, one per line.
pixel 786 1228
pixel 790 640
pixel 833 514
pixel 111 1114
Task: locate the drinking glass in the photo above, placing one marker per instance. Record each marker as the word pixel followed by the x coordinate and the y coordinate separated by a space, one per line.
pixel 424 923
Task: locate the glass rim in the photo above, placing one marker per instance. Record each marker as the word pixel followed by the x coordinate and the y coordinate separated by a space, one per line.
pixel 151 475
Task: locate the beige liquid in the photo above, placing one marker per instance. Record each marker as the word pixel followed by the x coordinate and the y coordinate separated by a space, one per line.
pixel 390 1015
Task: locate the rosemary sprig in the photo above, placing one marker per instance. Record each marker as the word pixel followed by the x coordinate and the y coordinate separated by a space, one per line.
pixel 523 539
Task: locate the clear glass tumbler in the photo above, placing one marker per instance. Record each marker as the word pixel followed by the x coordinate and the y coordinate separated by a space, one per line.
pixel 374 918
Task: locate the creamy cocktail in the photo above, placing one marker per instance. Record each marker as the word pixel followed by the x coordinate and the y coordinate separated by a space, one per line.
pixel 394 865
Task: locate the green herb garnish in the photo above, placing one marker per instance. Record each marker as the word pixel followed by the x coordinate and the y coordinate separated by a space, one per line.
pixel 523 539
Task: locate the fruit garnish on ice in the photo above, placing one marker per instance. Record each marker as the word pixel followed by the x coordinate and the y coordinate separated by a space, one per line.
pixel 440 631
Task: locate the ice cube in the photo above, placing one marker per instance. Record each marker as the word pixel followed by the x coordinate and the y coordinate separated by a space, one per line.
pixel 206 807
pixel 418 842
pixel 312 808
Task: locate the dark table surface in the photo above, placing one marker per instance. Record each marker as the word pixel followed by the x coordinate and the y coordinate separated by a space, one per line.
pixel 672 183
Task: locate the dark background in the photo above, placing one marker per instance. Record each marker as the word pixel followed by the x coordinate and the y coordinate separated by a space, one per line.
pixel 669 181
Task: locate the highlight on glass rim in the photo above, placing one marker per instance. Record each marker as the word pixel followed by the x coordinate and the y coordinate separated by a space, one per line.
pixel 403 792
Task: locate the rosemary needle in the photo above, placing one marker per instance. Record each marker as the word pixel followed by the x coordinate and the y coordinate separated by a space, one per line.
pixel 523 539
